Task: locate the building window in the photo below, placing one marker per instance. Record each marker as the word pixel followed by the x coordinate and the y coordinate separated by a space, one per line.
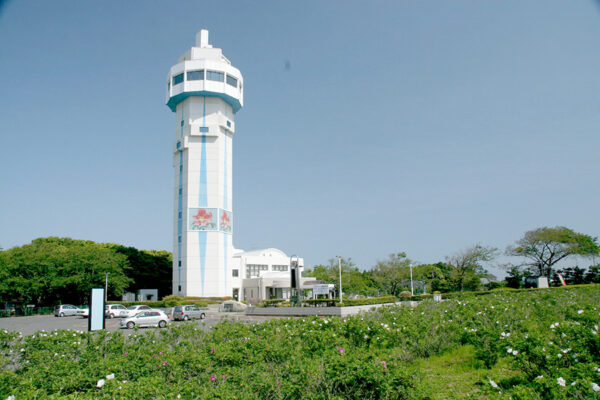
pixel 195 75
pixel 180 168
pixel 235 273
pixel 182 123
pixel 230 81
pixel 179 263
pixel 229 124
pixel 215 76
pixel 253 270
pixel 179 214
pixel 204 129
pixel 280 267
pixel 179 288
pixel 177 79
pixel 179 239
pixel 180 190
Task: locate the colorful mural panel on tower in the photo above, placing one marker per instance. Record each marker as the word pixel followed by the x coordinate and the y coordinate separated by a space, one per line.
pixel 203 219
pixel 226 221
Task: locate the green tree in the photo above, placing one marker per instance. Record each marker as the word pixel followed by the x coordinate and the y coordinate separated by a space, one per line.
pixel 466 266
pixel 51 270
pixel 353 280
pixel 544 247
pixel 391 273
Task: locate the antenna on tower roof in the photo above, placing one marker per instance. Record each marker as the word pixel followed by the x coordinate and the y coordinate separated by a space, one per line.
pixel 202 39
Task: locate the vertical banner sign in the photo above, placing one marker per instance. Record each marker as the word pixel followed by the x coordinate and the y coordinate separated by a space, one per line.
pixel 96 314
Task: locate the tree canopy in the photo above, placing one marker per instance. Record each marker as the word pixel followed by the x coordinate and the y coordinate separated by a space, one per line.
pixel 52 270
pixel 544 247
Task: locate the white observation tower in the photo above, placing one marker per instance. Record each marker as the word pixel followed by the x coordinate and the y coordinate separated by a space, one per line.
pixel 204 91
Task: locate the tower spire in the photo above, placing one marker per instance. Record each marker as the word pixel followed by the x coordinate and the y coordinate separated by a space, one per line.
pixel 202 39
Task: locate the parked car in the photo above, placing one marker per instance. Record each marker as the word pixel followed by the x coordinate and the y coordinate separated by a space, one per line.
pixel 83 312
pixel 146 318
pixel 113 310
pixel 131 311
pixel 64 310
pixel 187 312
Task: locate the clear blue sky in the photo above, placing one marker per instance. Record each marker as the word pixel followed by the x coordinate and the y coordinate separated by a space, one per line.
pixel 422 126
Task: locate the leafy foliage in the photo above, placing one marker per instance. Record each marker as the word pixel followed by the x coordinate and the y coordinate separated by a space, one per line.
pixel 544 247
pixel 518 344
pixel 53 270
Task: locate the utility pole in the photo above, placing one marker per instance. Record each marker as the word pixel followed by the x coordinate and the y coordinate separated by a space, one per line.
pixel 106 288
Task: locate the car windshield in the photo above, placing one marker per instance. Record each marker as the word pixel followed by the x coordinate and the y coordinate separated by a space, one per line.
pixel 132 308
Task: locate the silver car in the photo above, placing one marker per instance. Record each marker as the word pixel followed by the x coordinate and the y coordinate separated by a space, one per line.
pixel 64 310
pixel 113 310
pixel 133 310
pixel 146 318
pixel 187 312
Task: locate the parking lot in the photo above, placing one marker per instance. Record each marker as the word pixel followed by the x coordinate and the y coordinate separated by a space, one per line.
pixel 35 323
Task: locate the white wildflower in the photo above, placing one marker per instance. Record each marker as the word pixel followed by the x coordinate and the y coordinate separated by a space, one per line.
pixel 509 350
pixel 12 396
pixel 539 377
pixel 110 376
pixel 580 312
pixel 494 384
pixel 574 383
pixel 595 387
pixel 100 383
pixel 561 381
pixel 515 352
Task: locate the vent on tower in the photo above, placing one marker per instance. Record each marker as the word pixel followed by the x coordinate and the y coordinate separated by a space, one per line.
pixel 202 39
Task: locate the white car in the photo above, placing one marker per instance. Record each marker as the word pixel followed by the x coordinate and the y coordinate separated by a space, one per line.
pixel 131 311
pixel 83 312
pixel 113 310
pixel 146 318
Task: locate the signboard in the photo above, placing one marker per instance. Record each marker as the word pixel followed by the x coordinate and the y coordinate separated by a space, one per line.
pixel 321 289
pixel 96 312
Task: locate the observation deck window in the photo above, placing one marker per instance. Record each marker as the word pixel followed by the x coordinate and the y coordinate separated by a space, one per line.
pixel 231 81
pixel 215 76
pixel 177 79
pixel 195 75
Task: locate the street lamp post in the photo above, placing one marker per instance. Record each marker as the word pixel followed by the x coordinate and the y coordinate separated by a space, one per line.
pixel 412 290
pixel 340 269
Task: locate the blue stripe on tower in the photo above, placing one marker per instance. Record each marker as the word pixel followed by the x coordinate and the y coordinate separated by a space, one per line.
pixel 202 200
pixel 226 206
pixel 179 217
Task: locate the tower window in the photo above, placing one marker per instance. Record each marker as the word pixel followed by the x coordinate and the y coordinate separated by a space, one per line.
pixel 215 76
pixel 179 214
pixel 179 288
pixel 180 263
pixel 204 129
pixel 229 124
pixel 180 168
pixel 179 239
pixel 177 79
pixel 180 190
pixel 231 81
pixel 195 75
pixel 235 273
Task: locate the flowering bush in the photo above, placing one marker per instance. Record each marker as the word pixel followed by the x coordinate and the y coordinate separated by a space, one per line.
pixel 533 344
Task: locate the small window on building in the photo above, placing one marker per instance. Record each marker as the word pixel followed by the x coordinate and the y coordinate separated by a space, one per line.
pixel 179 239
pixel 182 123
pixel 177 79
pixel 179 288
pixel 179 263
pixel 235 273
pixel 280 267
pixel 231 81
pixel 178 145
pixel 215 76
pixel 180 190
pixel 229 124
pixel 204 129
pixel 179 215
pixel 180 168
pixel 195 75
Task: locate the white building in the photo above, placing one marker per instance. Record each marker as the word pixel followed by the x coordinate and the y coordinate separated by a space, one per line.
pixel 205 91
